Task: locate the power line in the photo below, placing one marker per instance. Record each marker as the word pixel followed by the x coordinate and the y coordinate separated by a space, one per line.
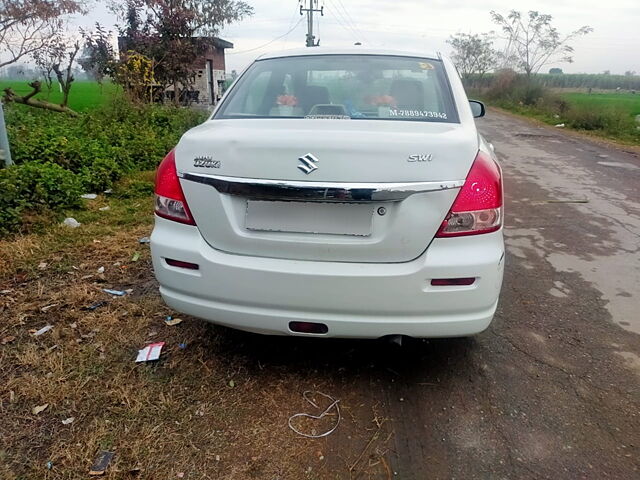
pixel 295 11
pixel 268 43
pixel 355 25
pixel 346 14
pixel 343 22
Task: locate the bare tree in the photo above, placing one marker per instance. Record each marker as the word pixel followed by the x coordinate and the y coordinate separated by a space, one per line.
pixel 44 62
pixel 63 68
pixel 27 26
pixel 473 54
pixel 533 42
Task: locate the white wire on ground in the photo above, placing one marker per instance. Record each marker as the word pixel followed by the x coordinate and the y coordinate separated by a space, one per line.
pixel 334 404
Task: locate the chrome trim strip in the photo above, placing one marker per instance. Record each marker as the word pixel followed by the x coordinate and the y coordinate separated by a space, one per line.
pixel 317 191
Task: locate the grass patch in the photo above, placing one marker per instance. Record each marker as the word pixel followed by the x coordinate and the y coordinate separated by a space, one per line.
pixel 85 95
pixel 19 256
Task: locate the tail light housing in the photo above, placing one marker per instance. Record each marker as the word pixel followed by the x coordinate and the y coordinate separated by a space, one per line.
pixel 478 206
pixel 169 197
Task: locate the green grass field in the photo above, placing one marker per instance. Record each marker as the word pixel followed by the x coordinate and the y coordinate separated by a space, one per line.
pixel 85 95
pixel 621 101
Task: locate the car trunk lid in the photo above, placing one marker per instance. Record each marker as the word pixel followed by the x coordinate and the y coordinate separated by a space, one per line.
pixel 324 190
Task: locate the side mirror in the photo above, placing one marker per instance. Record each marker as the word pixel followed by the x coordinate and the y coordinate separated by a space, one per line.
pixel 477 108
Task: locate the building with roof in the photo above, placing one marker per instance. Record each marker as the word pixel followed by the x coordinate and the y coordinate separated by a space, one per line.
pixel 209 71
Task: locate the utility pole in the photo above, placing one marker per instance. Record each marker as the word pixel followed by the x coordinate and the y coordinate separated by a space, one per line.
pixel 313 7
pixel 5 151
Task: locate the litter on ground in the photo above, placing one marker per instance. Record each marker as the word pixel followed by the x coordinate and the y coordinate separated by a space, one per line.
pixel 117 293
pixel 39 409
pixel 71 222
pixel 170 321
pixel 89 196
pixel 150 352
pixel 101 463
pixel 43 330
pixel 68 421
pixel 333 405
pixel 95 306
pixel 144 240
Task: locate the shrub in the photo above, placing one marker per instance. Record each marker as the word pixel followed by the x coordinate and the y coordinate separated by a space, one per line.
pixel 529 94
pixel 101 175
pixel 509 87
pixel 609 120
pixel 134 188
pixel 35 187
pixel 553 104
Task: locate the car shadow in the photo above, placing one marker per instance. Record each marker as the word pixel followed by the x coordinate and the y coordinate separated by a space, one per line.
pixel 435 357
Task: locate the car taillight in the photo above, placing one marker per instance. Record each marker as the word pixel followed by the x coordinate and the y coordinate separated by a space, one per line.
pixel 170 201
pixel 478 206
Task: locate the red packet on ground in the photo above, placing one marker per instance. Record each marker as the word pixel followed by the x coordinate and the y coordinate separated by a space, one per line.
pixel 150 352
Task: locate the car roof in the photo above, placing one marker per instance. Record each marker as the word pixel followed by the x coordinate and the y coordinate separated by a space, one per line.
pixel 355 50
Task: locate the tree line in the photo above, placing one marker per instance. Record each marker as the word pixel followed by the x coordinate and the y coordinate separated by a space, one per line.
pixel 600 81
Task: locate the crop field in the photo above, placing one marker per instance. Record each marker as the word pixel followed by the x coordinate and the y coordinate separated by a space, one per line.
pixel 84 96
pixel 627 102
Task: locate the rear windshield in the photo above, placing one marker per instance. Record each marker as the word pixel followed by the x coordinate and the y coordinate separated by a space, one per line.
pixel 358 87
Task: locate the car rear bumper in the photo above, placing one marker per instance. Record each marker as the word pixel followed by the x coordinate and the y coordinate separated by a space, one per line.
pixel 354 300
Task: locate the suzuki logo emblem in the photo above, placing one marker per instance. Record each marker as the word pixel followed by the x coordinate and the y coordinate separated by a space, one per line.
pixel 308 163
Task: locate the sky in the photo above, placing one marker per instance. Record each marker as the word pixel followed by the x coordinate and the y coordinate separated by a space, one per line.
pixel 425 25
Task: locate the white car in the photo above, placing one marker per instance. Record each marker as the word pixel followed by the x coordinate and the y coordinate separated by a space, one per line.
pixel 335 193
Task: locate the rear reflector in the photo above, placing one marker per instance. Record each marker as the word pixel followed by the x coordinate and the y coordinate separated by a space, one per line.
pixel 308 327
pixel 478 206
pixel 444 282
pixel 181 264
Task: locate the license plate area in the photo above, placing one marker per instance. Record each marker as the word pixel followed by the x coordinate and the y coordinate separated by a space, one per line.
pixel 309 217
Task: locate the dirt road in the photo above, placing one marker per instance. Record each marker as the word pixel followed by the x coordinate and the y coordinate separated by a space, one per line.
pixel 551 390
